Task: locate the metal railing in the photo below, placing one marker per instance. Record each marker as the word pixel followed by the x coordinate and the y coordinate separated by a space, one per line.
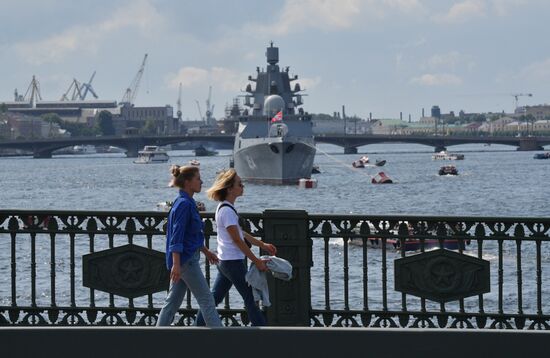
pixel 345 278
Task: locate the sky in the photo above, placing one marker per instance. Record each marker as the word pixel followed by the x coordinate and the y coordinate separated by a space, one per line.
pixel 373 56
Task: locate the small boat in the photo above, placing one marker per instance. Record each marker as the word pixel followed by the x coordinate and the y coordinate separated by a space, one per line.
pixel 448 170
pixel 380 163
pixel 358 164
pixel 194 163
pixel 444 155
pixel 84 149
pixel 542 155
pixel 364 159
pixel 151 154
pixel 411 244
pixel 381 178
pixel 315 170
pixel 201 151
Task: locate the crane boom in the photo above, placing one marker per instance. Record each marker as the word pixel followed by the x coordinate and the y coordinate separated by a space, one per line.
pixel 87 87
pixel 131 91
pixel 199 107
pixel 516 95
pixel 179 103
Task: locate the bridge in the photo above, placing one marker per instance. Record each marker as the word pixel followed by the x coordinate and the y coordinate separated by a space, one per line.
pixel 352 142
pixel 43 148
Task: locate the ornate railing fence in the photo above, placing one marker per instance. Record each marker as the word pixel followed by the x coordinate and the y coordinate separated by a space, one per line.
pixel 102 268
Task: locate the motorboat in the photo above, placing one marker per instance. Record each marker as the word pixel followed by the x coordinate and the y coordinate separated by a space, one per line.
pixel 202 151
pixel 381 178
pixel 84 149
pixel 409 243
pixel 151 154
pixel 364 159
pixel 448 170
pixel 194 162
pixel 444 155
pixel 358 164
pixel 542 155
pixel 315 170
pixel 380 163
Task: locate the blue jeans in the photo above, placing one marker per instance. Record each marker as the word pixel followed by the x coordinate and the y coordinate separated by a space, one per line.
pixel 192 278
pixel 232 272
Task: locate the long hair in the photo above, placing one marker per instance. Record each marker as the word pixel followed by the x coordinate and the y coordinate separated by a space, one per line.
pixel 224 181
pixel 182 174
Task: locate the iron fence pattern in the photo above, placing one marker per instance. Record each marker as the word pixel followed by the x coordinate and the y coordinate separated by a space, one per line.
pixel 355 272
pixel 352 278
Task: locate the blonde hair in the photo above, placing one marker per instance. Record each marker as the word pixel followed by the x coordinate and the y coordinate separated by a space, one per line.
pixel 182 174
pixel 224 181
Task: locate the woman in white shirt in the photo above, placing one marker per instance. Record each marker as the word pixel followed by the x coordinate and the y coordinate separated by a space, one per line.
pixel 232 248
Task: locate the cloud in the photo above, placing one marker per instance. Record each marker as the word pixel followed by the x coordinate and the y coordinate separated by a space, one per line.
pixel 404 5
pixel 323 14
pixel 450 60
pixel 504 7
pixel 226 79
pixel 437 79
pixel 309 83
pixel 140 15
pixel 538 71
pixel 462 12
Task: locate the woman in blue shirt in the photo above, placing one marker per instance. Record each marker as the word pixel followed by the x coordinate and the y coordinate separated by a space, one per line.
pixel 184 239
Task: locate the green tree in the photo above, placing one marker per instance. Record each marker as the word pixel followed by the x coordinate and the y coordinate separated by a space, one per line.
pixel 150 127
pixel 104 124
pixel 53 118
pixel 3 108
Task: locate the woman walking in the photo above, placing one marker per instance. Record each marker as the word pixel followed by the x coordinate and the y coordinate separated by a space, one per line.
pixel 232 248
pixel 184 239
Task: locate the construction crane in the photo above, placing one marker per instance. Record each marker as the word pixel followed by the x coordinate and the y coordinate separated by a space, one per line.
pixel 131 91
pixel 87 87
pixel 33 92
pixel 199 108
pixel 179 104
pixel 209 108
pixel 516 95
pixel 75 87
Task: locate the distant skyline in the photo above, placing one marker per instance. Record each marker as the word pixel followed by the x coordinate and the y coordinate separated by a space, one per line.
pixel 373 56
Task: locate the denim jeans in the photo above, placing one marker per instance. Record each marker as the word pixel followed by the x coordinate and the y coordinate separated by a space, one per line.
pixel 192 278
pixel 232 272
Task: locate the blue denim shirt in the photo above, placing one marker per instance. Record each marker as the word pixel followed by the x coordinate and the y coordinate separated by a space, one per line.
pixel 184 230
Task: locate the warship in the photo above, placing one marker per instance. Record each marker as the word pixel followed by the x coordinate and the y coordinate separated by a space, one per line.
pixel 274 142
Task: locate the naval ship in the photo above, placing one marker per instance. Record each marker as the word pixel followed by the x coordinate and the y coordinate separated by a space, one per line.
pixel 274 142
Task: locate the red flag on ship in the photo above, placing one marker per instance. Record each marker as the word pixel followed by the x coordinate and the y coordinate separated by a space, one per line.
pixel 278 117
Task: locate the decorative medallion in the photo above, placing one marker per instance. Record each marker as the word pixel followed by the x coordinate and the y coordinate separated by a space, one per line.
pixel 442 275
pixel 129 271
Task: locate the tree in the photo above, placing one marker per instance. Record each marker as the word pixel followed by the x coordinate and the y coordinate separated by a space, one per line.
pixel 3 108
pixel 53 118
pixel 104 123
pixel 150 127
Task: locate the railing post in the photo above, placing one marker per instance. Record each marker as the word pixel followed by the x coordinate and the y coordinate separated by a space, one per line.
pixel 290 301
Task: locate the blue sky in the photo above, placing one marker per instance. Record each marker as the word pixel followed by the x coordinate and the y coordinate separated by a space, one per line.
pixel 379 56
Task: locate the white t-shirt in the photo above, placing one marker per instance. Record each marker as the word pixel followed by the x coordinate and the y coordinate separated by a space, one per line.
pixel 225 217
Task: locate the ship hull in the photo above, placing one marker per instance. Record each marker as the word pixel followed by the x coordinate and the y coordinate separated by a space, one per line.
pixel 275 162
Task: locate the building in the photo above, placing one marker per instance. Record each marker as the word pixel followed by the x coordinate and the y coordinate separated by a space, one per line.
pixel 29 127
pixel 163 117
pixel 70 111
pixel 540 112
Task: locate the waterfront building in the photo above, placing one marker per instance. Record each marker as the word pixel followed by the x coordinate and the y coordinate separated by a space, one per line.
pixel 540 112
pixel 28 127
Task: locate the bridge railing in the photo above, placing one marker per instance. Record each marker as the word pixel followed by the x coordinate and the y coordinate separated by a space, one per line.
pixel 90 268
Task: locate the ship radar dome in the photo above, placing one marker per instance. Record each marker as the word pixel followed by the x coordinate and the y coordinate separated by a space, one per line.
pixel 273 104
